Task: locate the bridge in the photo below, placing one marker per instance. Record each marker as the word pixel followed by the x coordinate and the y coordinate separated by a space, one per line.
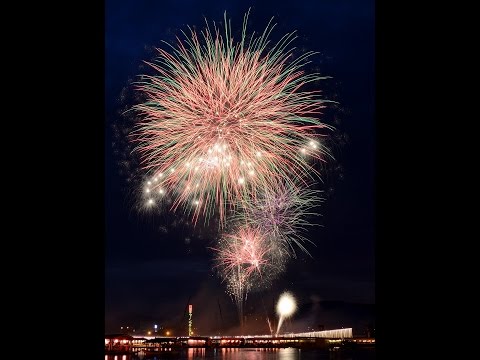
pixel 315 339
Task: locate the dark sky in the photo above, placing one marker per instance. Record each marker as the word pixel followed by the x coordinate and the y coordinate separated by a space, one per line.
pixel 154 265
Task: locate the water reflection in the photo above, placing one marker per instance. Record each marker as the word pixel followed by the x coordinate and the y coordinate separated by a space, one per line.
pixel 247 354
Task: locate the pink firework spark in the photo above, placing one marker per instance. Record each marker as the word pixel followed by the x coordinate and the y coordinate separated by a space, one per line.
pixel 245 251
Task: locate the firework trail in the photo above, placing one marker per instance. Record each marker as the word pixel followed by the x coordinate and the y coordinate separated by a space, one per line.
pixel 222 120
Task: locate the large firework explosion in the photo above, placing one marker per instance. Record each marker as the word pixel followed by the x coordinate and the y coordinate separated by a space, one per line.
pixel 223 120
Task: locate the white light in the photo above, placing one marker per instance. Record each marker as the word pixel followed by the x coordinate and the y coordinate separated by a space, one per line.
pixel 251 172
pixel 286 305
pixel 241 180
pixel 197 202
pixel 303 150
pixel 160 175
pixel 147 190
pixel 172 169
pixel 150 201
pixel 161 191
pixel 149 183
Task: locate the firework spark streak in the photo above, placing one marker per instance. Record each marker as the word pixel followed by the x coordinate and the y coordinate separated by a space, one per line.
pixel 224 120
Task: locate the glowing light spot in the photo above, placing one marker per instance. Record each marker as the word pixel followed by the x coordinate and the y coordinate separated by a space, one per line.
pixel 150 202
pixel 149 183
pixel 241 180
pixel 147 190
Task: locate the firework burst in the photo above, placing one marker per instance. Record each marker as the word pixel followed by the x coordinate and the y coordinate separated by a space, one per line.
pixel 243 260
pixel 224 120
pixel 282 213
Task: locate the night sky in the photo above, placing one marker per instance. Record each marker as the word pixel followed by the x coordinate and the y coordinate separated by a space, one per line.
pixel 155 265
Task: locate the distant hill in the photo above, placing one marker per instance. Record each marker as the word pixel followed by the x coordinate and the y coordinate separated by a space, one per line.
pixel 333 315
pixel 313 316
